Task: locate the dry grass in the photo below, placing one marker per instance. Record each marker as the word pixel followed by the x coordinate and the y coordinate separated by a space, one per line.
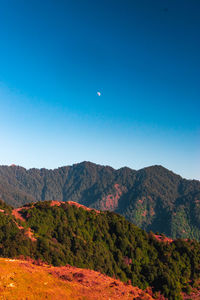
pixel 23 280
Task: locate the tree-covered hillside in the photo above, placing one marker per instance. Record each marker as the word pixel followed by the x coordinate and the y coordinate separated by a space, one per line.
pixel 153 198
pixel 102 241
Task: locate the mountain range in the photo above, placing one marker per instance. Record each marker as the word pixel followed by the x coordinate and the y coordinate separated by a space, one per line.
pixel 153 198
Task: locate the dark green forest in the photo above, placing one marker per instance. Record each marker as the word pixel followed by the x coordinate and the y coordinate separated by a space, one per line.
pixel 103 241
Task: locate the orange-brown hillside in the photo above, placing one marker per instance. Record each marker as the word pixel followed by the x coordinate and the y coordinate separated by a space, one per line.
pixel 20 279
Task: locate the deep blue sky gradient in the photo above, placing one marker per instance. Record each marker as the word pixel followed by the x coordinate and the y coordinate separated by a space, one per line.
pixel 143 56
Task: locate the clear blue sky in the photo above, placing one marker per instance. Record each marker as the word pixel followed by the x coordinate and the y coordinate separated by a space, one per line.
pixel 143 56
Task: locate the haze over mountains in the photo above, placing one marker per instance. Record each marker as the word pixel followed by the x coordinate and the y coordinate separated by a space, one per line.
pixel 153 198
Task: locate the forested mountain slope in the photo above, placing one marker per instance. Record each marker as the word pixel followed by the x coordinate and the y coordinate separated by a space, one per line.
pixel 62 233
pixel 153 198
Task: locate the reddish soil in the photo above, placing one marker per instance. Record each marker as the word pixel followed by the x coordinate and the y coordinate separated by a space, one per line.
pixel 28 232
pixel 99 284
pixel 16 213
pixel 152 212
pixel 110 202
pixel 141 201
pixel 58 203
pixel 21 279
pixel 144 213
pixel 82 206
pixel 195 293
pixel 160 238
pixel 192 296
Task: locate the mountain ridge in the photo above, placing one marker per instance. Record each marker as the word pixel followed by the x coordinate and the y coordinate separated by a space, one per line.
pixel 153 198
pixel 85 162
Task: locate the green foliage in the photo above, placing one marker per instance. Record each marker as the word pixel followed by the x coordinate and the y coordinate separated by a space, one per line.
pixel 105 242
pixel 12 240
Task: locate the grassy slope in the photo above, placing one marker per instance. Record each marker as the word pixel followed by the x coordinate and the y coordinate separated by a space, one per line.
pixel 23 280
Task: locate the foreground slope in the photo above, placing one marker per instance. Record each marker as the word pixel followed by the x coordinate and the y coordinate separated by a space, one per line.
pixel 153 198
pixel 21 279
pixel 67 233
